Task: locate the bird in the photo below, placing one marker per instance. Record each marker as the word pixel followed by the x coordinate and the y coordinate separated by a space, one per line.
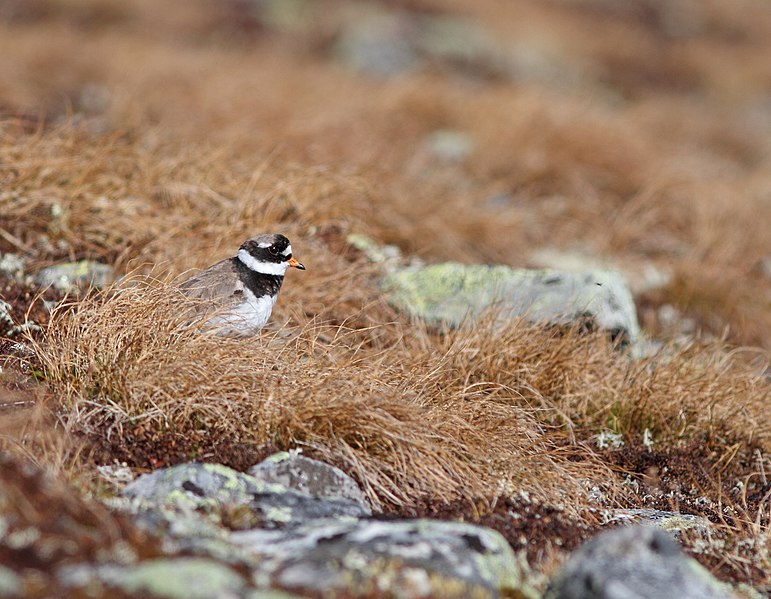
pixel 238 293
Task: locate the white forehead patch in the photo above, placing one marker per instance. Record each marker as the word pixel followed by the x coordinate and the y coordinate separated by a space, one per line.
pixel 287 251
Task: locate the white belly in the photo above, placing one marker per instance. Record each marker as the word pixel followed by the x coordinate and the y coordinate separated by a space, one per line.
pixel 247 318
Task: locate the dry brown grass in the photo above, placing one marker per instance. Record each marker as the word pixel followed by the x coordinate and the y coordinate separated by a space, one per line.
pixel 406 422
pixel 412 413
pixel 29 429
pixel 650 145
pixel 655 176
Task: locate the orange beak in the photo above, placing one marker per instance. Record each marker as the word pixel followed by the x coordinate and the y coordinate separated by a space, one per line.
pixel 295 263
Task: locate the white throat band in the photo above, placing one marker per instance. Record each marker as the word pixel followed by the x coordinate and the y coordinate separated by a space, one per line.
pixel 265 268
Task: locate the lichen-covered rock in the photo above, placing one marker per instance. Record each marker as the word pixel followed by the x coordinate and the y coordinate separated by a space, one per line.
pixel 172 578
pixel 388 257
pixel 12 265
pixel 217 490
pixel 196 485
pixel 414 558
pixel 315 478
pixel 10 582
pixel 9 328
pixel 640 562
pixel 672 522
pixel 453 293
pixel 72 276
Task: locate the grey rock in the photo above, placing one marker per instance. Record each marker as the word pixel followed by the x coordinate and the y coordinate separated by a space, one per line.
pixel 180 577
pixel 640 562
pixel 116 474
pixel 271 594
pixel 765 267
pixel 215 490
pixel 9 328
pixel 389 43
pixel 389 257
pixel 413 558
pixel 12 265
pixel 458 40
pixel 10 582
pixel 290 508
pixel 453 293
pixel 642 277
pixel 5 314
pixel 674 321
pixel 377 44
pixel 449 146
pixel 319 549
pixel 196 485
pixel 674 523
pixel 73 276
pixel 312 477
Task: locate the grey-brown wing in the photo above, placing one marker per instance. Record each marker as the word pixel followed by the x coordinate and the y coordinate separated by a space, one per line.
pixel 219 283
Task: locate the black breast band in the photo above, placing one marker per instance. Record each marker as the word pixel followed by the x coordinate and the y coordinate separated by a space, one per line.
pixel 258 283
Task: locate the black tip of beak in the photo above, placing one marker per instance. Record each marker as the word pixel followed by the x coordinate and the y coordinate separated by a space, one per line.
pixel 300 266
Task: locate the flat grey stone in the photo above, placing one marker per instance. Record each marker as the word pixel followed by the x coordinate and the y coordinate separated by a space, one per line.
pixel 312 477
pixel 639 562
pixel 215 489
pixel 672 522
pixel 290 508
pixel 180 577
pixel 641 277
pixel 194 485
pixel 72 276
pixel 412 558
pixel 453 293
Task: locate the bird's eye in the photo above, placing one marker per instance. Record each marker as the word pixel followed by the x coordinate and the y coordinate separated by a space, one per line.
pixel 273 250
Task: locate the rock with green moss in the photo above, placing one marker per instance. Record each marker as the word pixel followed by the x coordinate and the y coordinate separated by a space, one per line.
pixel 410 558
pixel 640 562
pixel 70 277
pixel 454 294
pixel 170 578
pixel 231 497
pixel 195 486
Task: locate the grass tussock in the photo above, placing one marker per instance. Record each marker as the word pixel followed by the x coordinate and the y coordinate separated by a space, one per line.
pixel 405 422
pixel 473 412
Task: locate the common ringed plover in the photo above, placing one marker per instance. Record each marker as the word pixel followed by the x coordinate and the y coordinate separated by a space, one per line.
pixel 241 290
